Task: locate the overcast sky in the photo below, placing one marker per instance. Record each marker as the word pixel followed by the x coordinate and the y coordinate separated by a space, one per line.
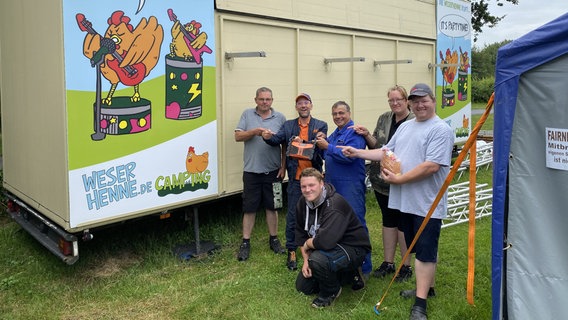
pixel 520 19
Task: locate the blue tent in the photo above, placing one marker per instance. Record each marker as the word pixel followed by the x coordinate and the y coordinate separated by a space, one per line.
pixel 530 177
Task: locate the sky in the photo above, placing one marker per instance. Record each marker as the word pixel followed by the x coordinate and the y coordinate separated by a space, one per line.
pixel 520 19
pixel 97 12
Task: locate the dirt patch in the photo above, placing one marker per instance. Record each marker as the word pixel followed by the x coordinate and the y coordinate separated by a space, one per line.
pixel 115 264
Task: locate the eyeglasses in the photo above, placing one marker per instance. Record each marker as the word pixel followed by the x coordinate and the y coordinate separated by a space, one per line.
pixel 303 102
pixel 264 99
pixel 393 101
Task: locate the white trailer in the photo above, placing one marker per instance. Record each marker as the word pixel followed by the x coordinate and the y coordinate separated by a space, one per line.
pixel 94 135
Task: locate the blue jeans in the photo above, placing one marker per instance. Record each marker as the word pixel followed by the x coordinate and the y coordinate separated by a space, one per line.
pixel 331 269
pixel 294 194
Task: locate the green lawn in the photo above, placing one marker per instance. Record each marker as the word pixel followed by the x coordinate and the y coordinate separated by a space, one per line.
pixel 129 272
pixel 488 125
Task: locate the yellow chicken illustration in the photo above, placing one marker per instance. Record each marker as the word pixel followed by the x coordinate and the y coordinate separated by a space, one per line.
pixel 188 42
pixel 196 163
pixel 129 53
pixel 451 59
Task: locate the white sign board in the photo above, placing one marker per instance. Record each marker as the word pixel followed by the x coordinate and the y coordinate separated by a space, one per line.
pixel 557 148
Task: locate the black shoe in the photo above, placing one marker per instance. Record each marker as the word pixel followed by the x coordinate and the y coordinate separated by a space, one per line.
pixel 322 302
pixel 291 263
pixel 404 274
pixel 412 293
pixel 358 281
pixel 276 247
pixel 384 269
pixel 418 313
pixel 244 251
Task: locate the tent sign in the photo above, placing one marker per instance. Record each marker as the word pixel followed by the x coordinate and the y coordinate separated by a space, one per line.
pixel 557 148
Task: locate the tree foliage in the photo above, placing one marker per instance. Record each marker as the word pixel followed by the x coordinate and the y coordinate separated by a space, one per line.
pixel 480 15
pixel 483 70
pixel 483 60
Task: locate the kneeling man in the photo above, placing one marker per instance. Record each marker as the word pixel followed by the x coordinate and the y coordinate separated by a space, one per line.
pixel 333 242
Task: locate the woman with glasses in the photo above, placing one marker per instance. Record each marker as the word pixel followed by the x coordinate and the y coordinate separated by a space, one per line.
pixel 387 124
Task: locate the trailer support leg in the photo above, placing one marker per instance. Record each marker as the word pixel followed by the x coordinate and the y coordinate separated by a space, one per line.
pixel 198 248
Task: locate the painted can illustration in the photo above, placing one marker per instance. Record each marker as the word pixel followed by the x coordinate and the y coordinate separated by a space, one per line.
pixel 448 97
pixel 124 116
pixel 462 85
pixel 183 88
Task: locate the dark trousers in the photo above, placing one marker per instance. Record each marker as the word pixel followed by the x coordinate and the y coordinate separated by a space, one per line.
pixel 294 194
pixel 330 270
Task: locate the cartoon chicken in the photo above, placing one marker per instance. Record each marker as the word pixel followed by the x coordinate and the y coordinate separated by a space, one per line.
pixel 188 42
pixel 129 53
pixel 196 163
pixel 449 71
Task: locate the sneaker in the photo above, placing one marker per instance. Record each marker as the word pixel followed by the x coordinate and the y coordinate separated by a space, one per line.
pixel 244 252
pixel 276 247
pixel 291 263
pixel 404 274
pixel 412 293
pixel 384 269
pixel 418 313
pixel 321 302
pixel 358 281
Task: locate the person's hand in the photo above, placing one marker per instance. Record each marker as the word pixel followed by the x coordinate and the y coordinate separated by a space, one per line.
pixel 258 131
pixel 296 139
pixel 267 134
pixel 321 142
pixel 390 177
pixel 306 271
pixel 360 130
pixel 349 151
pixel 281 173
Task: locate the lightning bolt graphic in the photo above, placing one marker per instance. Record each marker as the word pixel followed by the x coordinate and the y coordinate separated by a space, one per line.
pixel 194 90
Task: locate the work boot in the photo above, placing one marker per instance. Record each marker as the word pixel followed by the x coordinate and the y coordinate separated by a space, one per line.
pixel 384 269
pixel 418 313
pixel 358 280
pixel 276 247
pixel 322 302
pixel 404 274
pixel 244 251
pixel 291 263
pixel 412 293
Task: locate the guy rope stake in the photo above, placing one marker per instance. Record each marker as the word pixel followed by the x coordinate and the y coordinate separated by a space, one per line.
pixel 469 145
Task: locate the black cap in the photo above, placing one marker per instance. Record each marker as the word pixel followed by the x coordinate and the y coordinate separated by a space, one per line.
pixel 420 90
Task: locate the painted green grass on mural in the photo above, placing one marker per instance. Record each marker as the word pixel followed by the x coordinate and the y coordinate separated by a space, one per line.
pixel 83 151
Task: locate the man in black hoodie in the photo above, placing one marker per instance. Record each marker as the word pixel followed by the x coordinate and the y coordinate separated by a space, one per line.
pixel 332 240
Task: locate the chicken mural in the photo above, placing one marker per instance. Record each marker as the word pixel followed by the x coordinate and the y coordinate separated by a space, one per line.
pixel 195 163
pixel 123 55
pixel 184 69
pixel 463 88
pixel 449 68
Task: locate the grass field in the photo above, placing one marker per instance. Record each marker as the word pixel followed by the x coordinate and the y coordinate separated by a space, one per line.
pixel 129 272
pixel 488 125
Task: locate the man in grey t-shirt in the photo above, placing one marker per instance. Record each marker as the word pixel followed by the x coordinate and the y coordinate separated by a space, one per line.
pixel 264 169
pixel 424 147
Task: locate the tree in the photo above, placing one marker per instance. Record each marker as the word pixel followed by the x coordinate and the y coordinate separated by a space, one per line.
pixel 484 60
pixel 483 71
pixel 480 15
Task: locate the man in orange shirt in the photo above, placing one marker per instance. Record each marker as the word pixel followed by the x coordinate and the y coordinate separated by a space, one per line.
pixel 304 128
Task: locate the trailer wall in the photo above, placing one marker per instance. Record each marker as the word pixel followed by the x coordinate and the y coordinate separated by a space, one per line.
pixel 296 37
